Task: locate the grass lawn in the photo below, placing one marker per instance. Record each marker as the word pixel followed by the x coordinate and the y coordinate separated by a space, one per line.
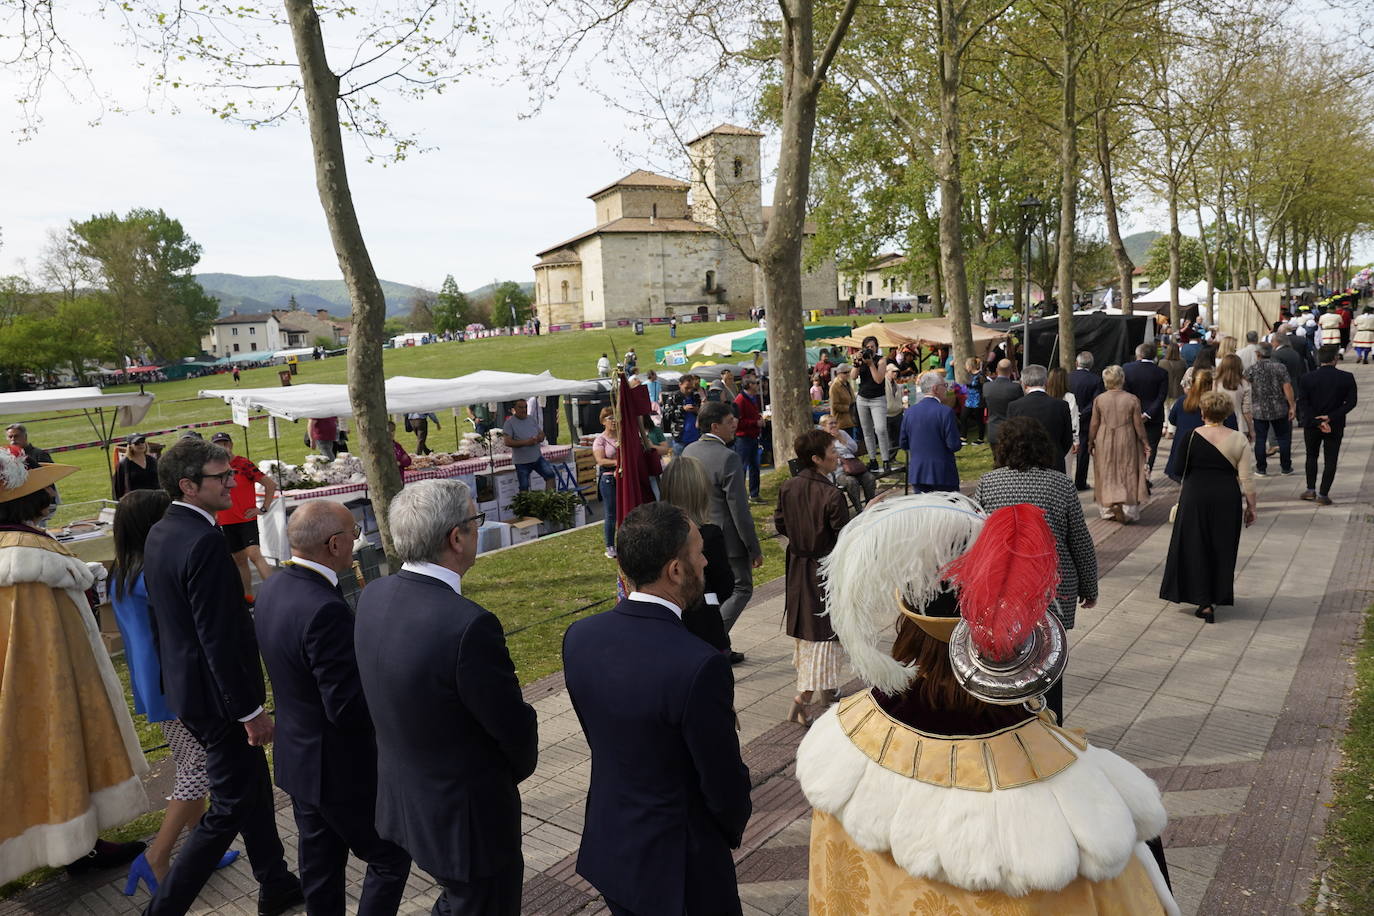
pixel 1349 840
pixel 570 354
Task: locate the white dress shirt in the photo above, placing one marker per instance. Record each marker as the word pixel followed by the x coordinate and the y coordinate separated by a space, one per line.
pixel 435 571
pixel 654 599
pixel 320 568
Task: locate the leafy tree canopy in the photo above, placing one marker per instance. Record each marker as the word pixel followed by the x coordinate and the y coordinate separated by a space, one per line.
pixel 451 309
pixel 1191 267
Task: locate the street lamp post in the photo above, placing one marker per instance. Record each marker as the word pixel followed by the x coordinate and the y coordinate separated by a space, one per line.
pixel 1029 206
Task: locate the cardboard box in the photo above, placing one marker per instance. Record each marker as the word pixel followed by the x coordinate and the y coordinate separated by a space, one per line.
pixel 492 535
pixel 525 529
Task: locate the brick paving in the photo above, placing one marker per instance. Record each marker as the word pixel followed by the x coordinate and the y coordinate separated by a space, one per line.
pixel 1237 722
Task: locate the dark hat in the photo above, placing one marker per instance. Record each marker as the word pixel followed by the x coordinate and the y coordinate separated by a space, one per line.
pixel 190 434
pixel 135 439
pixel 221 437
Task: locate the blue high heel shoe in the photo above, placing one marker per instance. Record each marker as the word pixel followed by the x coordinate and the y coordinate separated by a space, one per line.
pixel 140 870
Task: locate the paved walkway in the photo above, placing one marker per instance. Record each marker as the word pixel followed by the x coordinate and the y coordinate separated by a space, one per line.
pixel 1236 721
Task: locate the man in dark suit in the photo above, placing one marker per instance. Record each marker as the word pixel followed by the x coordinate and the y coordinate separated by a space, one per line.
pixel 930 437
pixel 998 394
pixel 326 751
pixel 1086 385
pixel 1285 353
pixel 1325 396
pixel 1053 413
pixel 212 676
pixel 454 735
pixel 729 505
pixel 669 794
pixel 1150 384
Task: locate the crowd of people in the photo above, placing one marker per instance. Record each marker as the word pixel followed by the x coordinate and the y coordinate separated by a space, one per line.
pixel 981 588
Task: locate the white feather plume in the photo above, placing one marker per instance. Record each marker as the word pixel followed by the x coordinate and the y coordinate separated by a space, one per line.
pixel 898 544
pixel 13 472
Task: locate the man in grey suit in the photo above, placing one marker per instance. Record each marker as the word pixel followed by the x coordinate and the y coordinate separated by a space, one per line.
pixel 729 505
pixel 998 395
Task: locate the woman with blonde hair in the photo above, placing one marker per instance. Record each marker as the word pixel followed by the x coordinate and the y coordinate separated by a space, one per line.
pixel 685 484
pixel 1225 347
pixel 1230 378
pixel 1120 448
pixel 1186 415
pixel 1218 494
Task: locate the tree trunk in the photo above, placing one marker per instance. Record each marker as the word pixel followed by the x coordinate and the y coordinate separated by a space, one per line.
pixel 1068 186
pixel 366 381
pixel 1175 237
pixel 952 191
pixel 1124 268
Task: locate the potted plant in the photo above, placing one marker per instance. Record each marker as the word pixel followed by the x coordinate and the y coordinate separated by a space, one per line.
pixel 554 507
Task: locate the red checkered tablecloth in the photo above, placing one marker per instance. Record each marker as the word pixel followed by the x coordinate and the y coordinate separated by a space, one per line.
pixel 558 454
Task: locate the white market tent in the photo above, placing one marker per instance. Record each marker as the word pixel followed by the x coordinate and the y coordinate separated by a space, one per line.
pixel 1160 294
pixel 404 394
pixel 103 411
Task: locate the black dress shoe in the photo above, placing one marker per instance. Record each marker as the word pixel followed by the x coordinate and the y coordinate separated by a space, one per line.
pixel 736 657
pixel 280 899
pixel 107 855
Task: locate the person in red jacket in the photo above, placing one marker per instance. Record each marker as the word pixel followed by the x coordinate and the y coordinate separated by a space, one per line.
pixel 747 405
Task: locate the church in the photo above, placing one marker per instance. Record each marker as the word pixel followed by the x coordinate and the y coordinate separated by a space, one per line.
pixel 663 248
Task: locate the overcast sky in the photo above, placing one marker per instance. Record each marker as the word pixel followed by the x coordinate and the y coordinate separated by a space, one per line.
pixel 497 189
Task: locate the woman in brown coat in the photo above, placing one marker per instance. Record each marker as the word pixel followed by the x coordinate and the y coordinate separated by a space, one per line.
pixel 811 511
pixel 842 401
pixel 1119 449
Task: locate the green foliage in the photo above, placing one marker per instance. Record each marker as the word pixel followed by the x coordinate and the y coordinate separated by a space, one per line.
pixel 1349 839
pixel 1191 266
pixel 553 506
pixel 451 309
pixel 143 263
pixel 510 305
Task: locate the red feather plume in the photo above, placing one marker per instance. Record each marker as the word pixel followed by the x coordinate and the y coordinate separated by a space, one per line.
pixel 1007 579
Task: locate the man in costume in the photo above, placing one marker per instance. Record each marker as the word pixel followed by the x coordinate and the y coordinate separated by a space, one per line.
pixel 69 757
pixel 947 788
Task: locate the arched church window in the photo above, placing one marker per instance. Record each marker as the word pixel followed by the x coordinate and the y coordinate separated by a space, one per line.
pixel 710 280
pixel 654 211
pixel 565 291
pixel 739 167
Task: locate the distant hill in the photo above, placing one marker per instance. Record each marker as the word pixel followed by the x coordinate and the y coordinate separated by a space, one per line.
pixel 487 290
pixel 235 291
pixel 259 294
pixel 1138 244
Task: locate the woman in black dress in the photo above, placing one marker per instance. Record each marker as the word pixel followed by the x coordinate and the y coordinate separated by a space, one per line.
pixel 137 470
pixel 1217 470
pixel 684 484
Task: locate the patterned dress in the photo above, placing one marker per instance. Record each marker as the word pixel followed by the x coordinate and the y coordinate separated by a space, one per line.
pixel 1054 493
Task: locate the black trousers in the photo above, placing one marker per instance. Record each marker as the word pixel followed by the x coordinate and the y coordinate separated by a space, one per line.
pixel 327 833
pixel 1054 699
pixel 1080 473
pixel 240 804
pixel 497 895
pixel 1154 430
pixel 421 430
pixel 1330 445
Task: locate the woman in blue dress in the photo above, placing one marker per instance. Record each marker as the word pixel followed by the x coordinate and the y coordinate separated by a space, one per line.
pixel 138 511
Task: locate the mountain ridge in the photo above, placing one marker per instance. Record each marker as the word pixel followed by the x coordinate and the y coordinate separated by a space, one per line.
pixel 247 294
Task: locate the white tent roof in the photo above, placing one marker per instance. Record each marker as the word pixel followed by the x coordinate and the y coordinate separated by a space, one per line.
pixel 404 394
pixel 717 344
pixel 1161 294
pixel 131 405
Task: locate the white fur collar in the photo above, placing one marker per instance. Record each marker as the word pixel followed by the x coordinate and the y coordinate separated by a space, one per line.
pixel 20 564
pixel 1085 820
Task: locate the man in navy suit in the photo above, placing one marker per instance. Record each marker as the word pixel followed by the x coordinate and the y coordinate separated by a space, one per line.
pixel 669 794
pixel 930 436
pixel 326 752
pixel 455 738
pixel 1053 413
pixel 212 676
pixel 998 395
pixel 1150 384
pixel 1325 396
pixel 1086 385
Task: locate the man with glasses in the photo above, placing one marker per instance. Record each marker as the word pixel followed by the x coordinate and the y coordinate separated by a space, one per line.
pixel 454 735
pixel 240 520
pixel 326 751
pixel 212 677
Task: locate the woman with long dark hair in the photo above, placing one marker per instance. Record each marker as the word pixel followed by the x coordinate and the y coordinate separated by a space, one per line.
pixel 135 516
pixel 871 368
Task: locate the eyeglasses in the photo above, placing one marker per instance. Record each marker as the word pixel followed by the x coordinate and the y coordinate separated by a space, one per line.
pixel 357 530
pixel 480 518
pixel 223 478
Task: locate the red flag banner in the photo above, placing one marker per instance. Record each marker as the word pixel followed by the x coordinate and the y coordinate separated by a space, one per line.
pixel 632 462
